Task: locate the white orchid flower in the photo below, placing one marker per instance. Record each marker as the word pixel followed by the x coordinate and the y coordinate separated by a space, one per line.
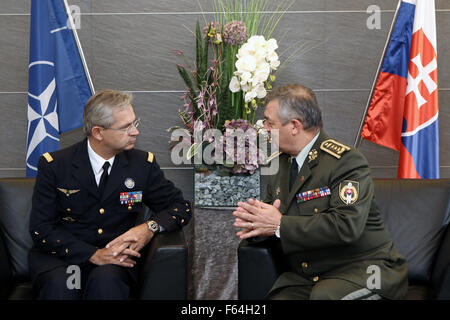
pixel 246 63
pixel 260 92
pixel 275 64
pixel 249 96
pixel 272 45
pixel 235 85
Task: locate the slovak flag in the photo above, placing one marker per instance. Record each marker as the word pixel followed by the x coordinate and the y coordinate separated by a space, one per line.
pixel 57 83
pixel 403 112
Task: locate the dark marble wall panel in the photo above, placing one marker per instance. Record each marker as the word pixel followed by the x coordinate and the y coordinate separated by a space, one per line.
pixel 443 29
pixel 14 44
pixel 12 173
pixel 13 130
pixel 128 46
pixel 14 7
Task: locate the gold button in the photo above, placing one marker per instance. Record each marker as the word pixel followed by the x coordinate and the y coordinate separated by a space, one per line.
pixel 304 265
pixel 67 250
pixel 176 209
pixel 68 209
pixel 43 241
pixel 36 233
pixel 129 208
pixel 315 279
pixel 316 210
pixel 58 241
pixel 102 211
pixel 100 231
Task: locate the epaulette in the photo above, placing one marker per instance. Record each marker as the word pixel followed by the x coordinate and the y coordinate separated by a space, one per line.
pixel 48 157
pixel 150 157
pixel 336 149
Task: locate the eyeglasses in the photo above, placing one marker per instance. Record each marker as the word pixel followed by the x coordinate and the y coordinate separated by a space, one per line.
pixel 128 130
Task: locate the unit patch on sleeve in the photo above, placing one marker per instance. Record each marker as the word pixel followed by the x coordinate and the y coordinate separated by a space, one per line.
pixel 349 191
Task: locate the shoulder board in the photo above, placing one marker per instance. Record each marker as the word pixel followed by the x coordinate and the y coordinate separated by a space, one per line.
pixel 336 149
pixel 48 157
pixel 150 157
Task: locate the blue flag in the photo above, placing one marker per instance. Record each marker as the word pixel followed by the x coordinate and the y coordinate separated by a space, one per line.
pixel 57 85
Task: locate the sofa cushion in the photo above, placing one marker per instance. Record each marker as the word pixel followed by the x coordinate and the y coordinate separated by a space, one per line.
pixel 22 291
pixel 416 214
pixel 15 208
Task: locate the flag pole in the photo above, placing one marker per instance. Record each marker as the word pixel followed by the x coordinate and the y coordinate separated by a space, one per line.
pixel 358 136
pixel 80 50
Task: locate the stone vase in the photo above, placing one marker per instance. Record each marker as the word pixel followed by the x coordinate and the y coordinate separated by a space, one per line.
pixel 216 187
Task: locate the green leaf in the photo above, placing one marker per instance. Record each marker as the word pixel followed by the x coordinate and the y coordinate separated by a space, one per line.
pixel 188 81
pixel 198 51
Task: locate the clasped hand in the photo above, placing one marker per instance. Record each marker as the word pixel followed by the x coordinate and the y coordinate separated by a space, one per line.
pixel 256 218
pixel 122 249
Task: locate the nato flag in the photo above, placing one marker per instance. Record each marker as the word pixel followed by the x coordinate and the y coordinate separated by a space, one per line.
pixel 58 87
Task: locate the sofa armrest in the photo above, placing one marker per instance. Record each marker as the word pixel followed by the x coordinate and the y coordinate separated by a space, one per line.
pixel 6 277
pixel 444 290
pixel 163 274
pixel 441 269
pixel 259 266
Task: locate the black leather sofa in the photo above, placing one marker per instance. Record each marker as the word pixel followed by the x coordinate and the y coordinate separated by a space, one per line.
pixel 417 215
pixel 163 271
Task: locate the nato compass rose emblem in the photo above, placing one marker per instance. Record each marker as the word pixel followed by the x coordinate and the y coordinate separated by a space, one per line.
pixel 43 127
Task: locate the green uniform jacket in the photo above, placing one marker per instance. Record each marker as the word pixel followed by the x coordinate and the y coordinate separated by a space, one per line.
pixel 335 236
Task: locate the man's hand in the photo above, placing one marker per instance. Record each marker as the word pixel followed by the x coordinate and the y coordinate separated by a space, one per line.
pixel 257 218
pixel 109 256
pixel 135 239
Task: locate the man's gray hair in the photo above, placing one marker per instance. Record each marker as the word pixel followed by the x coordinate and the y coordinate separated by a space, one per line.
pixel 297 102
pixel 99 108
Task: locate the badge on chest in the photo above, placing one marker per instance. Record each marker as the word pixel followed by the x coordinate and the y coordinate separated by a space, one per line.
pixel 130 198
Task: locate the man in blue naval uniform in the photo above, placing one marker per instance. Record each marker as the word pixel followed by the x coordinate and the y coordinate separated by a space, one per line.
pixel 85 204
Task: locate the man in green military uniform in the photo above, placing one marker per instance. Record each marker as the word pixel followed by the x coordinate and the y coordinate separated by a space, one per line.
pixel 321 207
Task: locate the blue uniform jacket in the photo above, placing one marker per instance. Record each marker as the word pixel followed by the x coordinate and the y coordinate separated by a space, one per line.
pixel 70 219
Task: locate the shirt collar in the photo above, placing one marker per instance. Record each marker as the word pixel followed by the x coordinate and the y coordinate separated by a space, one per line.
pixel 97 161
pixel 304 153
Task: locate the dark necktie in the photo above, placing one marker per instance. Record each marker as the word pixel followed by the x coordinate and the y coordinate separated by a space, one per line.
pixel 104 177
pixel 294 173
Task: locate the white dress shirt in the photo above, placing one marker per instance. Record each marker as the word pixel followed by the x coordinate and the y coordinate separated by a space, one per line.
pixel 97 163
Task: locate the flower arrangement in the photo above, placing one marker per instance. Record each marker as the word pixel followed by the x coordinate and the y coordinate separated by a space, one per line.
pixel 235 65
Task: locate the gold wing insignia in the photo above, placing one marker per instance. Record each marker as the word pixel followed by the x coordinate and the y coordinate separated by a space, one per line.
pixel 68 192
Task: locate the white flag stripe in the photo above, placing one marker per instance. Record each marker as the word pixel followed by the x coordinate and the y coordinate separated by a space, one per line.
pixel 424 17
pixel 41 62
pixel 59 29
pixel 423 126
